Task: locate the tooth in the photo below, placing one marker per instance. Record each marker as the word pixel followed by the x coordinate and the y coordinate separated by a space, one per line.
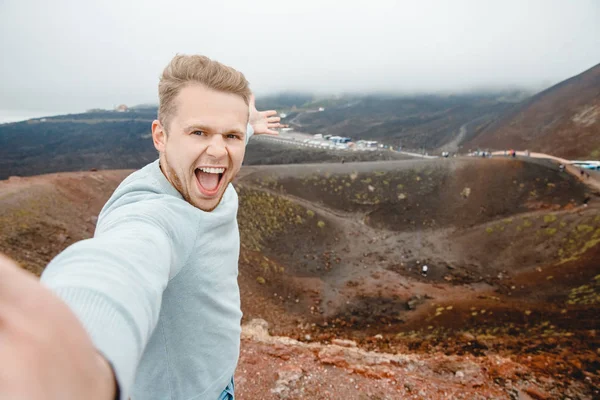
pixel 213 170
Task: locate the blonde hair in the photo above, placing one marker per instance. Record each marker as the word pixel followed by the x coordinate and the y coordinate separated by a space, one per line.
pixel 189 69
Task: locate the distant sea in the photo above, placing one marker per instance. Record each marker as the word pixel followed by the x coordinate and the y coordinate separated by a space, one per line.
pixel 23 115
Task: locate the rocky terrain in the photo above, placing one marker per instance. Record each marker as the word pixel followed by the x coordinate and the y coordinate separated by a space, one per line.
pixel 335 305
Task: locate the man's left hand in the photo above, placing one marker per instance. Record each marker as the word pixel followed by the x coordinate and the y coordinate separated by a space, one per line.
pixel 264 122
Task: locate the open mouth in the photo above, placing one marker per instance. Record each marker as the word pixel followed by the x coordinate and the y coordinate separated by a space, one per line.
pixel 209 179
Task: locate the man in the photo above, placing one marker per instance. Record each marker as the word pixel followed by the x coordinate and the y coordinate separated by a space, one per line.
pixel 152 302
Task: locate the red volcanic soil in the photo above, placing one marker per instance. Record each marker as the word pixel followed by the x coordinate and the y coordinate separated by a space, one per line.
pixel 563 120
pixel 330 252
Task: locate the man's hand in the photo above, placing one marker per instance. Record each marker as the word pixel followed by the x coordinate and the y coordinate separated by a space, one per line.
pixel 263 122
pixel 45 353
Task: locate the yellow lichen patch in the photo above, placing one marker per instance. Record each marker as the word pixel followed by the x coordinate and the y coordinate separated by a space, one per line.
pixel 585 294
pixel 262 216
pixel 583 229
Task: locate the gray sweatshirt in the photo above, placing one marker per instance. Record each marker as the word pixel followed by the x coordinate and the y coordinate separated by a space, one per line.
pixel 156 289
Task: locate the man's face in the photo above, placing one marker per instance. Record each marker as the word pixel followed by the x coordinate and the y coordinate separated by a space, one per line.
pixel 203 147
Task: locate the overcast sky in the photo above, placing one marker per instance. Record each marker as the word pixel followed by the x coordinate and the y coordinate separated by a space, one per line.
pixel 73 55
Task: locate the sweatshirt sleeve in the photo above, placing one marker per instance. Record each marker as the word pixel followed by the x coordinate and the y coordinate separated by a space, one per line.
pixel 114 284
pixel 249 133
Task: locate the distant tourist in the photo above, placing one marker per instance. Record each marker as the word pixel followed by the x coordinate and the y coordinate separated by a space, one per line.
pixel 424 270
pixel 561 168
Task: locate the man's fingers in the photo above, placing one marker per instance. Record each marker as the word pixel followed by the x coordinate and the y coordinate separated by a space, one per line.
pixel 275 125
pixel 273 119
pixel 21 290
pixel 12 278
pixel 272 132
pixel 16 285
pixel 268 113
pixel 6 262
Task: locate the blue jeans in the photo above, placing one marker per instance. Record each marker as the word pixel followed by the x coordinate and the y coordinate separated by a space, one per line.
pixel 228 393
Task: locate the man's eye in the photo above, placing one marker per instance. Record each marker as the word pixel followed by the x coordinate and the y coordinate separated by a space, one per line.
pixel 233 136
pixel 198 133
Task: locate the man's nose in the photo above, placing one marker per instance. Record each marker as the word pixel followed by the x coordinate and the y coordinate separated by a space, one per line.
pixel 216 147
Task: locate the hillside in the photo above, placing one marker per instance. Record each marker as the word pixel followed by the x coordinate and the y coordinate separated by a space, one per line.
pixel 111 140
pixel 265 152
pixel 413 122
pixel 332 251
pixel 563 120
pixel 78 142
pixel 121 140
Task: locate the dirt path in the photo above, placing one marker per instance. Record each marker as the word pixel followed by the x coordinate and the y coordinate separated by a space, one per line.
pixel 452 146
pixel 593 181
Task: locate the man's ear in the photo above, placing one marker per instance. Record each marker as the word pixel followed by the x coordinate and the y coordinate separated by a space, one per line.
pixel 159 136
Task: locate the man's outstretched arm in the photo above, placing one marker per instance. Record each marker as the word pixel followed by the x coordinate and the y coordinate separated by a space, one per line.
pixel 113 284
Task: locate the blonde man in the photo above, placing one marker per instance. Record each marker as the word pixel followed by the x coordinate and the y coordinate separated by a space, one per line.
pixel 148 308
